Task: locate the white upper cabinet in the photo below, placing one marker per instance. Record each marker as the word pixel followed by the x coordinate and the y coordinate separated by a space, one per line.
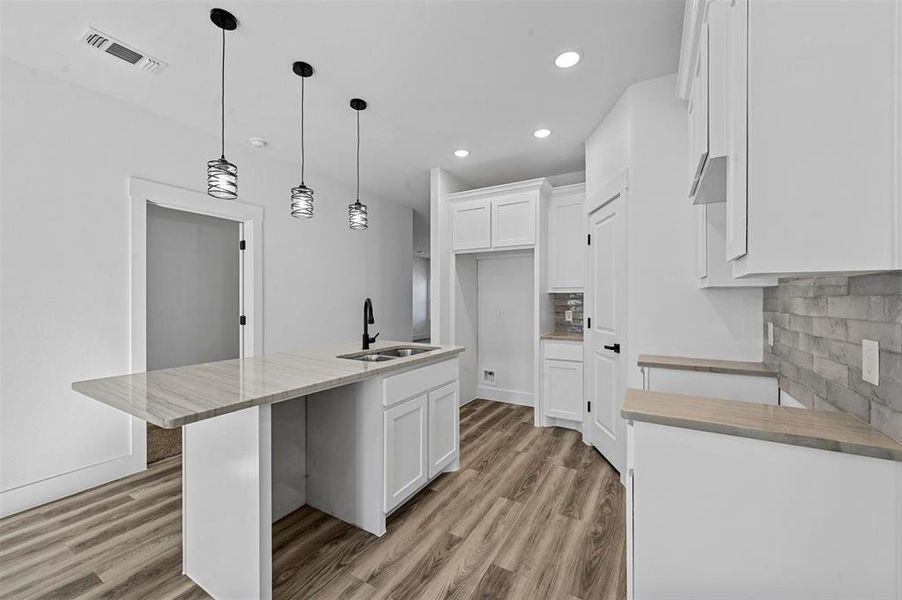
pixel 471 225
pixel 566 238
pixel 499 217
pixel 514 220
pixel 813 126
pixel 713 270
pixel 698 114
pixel 707 119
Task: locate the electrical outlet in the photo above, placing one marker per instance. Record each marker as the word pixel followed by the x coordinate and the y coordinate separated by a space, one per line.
pixel 568 316
pixel 488 376
pixel 870 361
pixel 770 333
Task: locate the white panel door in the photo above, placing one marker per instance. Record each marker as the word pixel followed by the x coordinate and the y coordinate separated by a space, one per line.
pixel 471 225
pixel 406 430
pixel 444 413
pixel 606 331
pixel 514 220
pixel 567 240
pixel 563 389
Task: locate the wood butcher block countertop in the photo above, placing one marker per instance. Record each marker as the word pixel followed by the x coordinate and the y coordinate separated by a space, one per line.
pixel 821 429
pixel 710 365
pixel 178 396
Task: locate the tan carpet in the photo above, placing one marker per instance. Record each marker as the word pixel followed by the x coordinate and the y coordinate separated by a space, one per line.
pixel 163 443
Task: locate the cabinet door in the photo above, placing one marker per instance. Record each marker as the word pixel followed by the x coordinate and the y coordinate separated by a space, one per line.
pixel 443 428
pixel 567 237
pixel 737 129
pixel 698 111
pixel 514 220
pixel 471 225
pixel 405 450
pixel 563 389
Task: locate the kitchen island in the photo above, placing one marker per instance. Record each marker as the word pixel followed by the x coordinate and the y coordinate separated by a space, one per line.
pixel 380 424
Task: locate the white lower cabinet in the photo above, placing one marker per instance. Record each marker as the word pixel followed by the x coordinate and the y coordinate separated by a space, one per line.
pixel 444 416
pixel 713 516
pixel 562 383
pixel 372 445
pixel 563 387
pixel 406 438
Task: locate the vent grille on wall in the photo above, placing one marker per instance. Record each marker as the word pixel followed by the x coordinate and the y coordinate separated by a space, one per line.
pixel 140 60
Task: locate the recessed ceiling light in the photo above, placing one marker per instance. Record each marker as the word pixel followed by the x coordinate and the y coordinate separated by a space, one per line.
pixel 541 133
pixel 567 59
pixel 461 153
pixel 258 142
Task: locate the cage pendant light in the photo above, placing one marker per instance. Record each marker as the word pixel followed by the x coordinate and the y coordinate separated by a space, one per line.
pixel 357 217
pixel 222 176
pixel 302 196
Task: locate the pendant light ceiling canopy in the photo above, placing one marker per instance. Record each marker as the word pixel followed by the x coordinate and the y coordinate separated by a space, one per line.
pixel 222 176
pixel 302 196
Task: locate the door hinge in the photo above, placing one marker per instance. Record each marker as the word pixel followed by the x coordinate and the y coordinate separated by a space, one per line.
pixel 589 322
pixel 589 406
pixel 242 245
pixel 589 239
pixel 242 320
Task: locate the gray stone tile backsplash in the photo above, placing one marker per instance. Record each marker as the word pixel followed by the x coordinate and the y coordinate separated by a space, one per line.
pixel 818 327
pixel 563 303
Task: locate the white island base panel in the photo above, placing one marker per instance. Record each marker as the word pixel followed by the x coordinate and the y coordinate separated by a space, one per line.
pixel 370 446
pixel 227 504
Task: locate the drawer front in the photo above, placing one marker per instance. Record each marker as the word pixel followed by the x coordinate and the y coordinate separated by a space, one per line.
pixel 563 350
pixel 398 388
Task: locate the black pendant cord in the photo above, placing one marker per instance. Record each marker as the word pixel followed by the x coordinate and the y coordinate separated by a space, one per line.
pixel 222 96
pixel 302 130
pixel 358 156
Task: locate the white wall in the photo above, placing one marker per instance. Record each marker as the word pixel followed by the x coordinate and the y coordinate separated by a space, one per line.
pixel 441 183
pixel 193 288
pixel 505 332
pixel 466 322
pixel 66 155
pixel 420 297
pixel 668 314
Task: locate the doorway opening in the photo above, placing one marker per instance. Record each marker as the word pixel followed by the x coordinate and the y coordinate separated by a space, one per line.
pixel 196 285
pixel 193 299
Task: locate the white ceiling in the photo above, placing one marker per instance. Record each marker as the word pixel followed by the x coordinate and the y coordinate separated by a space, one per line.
pixel 437 75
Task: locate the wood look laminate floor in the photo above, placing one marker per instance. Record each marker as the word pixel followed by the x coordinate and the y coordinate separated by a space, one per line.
pixel 532 513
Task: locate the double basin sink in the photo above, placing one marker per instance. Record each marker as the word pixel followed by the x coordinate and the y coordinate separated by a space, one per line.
pixel 384 354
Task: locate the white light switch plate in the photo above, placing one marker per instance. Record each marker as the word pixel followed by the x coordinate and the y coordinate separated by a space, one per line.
pixel 568 316
pixel 870 361
pixel 770 333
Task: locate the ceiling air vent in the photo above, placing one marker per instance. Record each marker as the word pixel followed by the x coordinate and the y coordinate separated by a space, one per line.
pixel 108 44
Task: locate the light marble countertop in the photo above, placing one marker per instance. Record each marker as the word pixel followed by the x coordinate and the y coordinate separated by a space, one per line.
pixel 709 365
pixel 181 395
pixel 821 429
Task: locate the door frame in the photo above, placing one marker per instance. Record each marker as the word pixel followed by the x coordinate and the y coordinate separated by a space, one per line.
pixel 617 187
pixel 250 221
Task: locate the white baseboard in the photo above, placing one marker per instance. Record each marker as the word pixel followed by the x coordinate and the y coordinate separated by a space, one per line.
pixel 509 396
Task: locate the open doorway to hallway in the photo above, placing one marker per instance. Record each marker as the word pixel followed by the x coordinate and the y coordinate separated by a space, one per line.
pixel 193 299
